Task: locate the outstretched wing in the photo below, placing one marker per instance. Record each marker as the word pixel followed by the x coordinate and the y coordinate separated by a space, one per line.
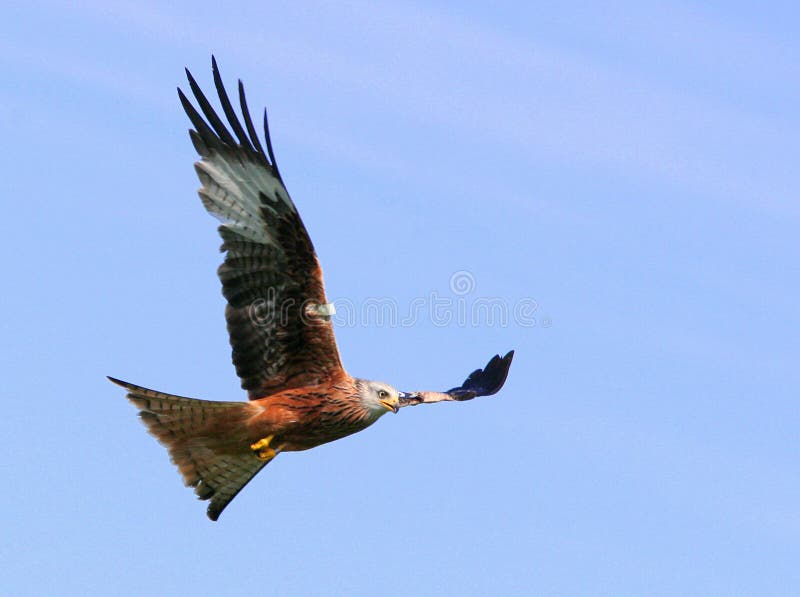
pixel 481 382
pixel 277 313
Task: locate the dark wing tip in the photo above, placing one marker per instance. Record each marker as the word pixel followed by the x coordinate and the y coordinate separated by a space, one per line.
pixel 486 381
pixel 269 146
pixel 248 123
pixel 119 382
pixel 230 113
pixel 213 131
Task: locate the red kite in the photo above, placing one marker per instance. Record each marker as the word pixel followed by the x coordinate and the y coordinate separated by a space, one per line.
pixel 279 324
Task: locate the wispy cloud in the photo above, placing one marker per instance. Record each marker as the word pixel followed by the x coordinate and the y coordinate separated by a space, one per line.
pixel 543 101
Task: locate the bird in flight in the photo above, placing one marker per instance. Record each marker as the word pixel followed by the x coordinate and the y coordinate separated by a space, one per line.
pixel 279 323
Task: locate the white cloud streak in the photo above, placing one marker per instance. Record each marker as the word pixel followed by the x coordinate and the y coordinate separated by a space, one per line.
pixel 544 102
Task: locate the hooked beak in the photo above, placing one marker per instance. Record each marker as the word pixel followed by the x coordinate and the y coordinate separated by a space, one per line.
pixel 392 405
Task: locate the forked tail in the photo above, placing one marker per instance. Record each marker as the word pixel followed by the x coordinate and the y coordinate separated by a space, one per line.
pixel 206 440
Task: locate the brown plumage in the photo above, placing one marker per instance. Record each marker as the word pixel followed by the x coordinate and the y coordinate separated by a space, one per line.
pixel 282 340
pixel 211 443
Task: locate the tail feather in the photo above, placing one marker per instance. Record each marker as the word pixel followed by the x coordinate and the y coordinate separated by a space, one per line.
pixel 206 440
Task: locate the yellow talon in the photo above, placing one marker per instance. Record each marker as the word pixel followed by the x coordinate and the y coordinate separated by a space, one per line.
pixel 262 443
pixel 262 449
pixel 266 454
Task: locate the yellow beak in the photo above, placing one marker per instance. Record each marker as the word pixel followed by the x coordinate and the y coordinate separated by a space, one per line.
pixel 392 404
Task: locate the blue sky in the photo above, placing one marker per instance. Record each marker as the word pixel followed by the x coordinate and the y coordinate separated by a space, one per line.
pixel 630 167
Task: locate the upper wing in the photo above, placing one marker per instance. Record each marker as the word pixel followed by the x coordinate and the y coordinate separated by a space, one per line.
pixel 277 316
pixel 481 382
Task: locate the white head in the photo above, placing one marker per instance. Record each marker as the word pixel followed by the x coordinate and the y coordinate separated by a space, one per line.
pixel 378 397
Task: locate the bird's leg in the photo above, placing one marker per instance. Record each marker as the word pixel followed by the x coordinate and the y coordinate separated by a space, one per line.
pixel 262 450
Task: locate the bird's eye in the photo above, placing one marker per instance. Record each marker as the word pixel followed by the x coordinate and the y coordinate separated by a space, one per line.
pixel 383 394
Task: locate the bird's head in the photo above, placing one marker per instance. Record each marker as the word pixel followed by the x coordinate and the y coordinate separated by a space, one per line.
pixel 379 397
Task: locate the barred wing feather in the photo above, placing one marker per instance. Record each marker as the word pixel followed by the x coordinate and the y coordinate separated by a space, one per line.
pixel 271 276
